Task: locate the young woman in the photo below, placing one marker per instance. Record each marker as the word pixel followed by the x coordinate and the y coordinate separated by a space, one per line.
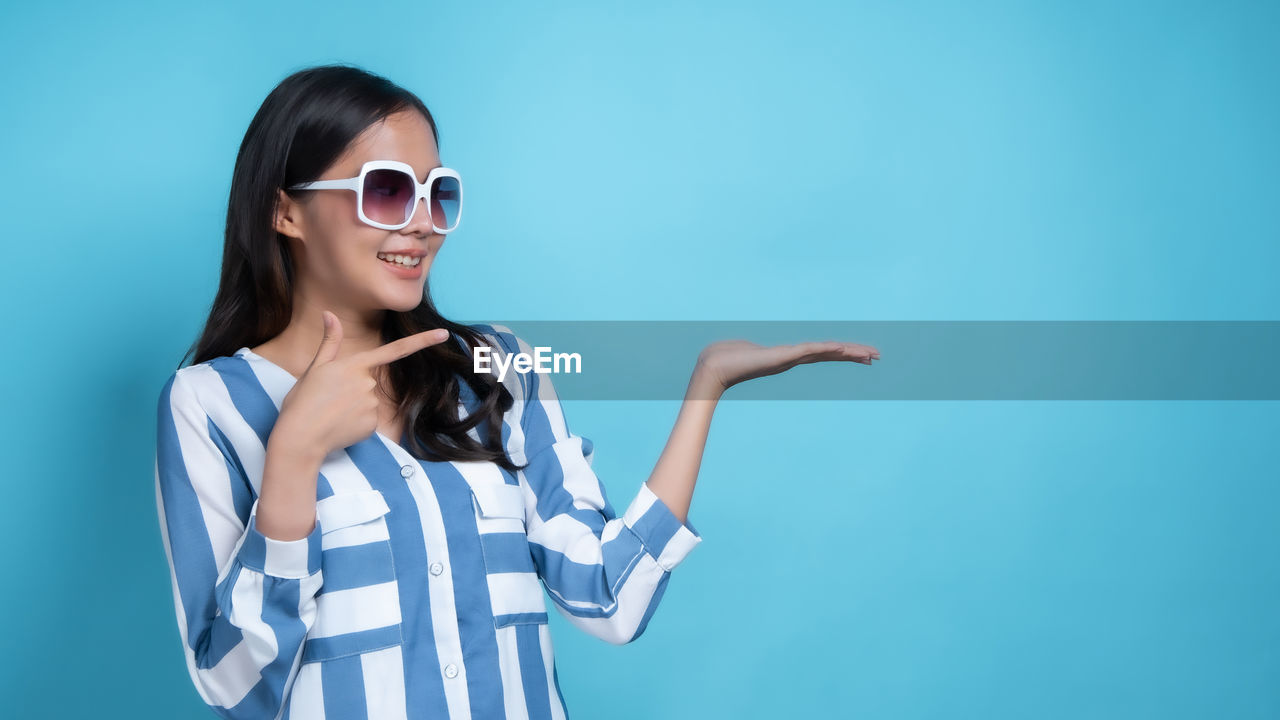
pixel 357 524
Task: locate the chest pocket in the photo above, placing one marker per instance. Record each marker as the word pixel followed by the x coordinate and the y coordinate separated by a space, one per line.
pixel 358 606
pixel 514 590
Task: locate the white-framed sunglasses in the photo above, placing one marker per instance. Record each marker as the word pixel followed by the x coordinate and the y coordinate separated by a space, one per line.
pixel 388 191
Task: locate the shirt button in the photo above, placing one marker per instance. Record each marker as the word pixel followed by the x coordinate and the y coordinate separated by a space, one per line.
pixel 451 670
pixel 436 568
pixel 406 471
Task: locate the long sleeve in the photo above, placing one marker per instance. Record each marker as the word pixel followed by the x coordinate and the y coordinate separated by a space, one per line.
pixel 606 573
pixel 244 601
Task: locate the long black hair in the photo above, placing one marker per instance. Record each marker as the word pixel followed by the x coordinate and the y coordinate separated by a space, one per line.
pixel 302 127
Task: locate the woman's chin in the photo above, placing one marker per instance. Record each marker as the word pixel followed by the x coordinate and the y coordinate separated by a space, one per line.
pixel 402 302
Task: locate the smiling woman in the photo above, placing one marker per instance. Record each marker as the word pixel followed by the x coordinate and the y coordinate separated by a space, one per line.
pixel 358 524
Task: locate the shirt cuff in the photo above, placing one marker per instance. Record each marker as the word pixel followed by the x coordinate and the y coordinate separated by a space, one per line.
pixel 281 558
pixel 662 534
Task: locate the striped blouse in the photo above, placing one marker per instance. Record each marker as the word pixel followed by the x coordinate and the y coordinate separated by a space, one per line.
pixel 419 594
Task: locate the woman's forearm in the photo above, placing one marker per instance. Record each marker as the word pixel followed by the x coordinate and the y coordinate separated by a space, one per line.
pixel 287 500
pixel 676 471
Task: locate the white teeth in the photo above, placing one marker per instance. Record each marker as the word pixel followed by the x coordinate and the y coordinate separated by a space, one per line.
pixel 405 260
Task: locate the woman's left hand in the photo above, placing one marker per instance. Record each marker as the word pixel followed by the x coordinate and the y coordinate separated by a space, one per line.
pixel 729 362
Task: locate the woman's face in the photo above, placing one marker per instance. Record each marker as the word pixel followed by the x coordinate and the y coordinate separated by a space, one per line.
pixel 337 255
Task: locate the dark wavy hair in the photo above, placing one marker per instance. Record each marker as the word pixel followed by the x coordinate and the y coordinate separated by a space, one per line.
pixel 302 127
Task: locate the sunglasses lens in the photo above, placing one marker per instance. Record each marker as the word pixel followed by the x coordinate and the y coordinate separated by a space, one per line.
pixel 446 202
pixel 388 196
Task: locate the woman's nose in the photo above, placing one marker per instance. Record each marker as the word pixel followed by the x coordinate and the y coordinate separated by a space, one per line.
pixel 421 221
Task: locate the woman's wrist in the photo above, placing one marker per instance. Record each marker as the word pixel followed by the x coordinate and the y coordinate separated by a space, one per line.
pixel 294 446
pixel 704 385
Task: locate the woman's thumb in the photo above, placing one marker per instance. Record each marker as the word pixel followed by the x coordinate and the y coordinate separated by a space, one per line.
pixel 328 349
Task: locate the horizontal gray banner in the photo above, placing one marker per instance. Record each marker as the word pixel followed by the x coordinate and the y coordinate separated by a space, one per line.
pixel 927 360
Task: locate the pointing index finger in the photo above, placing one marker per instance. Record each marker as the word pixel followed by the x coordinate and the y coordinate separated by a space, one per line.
pixel 403 347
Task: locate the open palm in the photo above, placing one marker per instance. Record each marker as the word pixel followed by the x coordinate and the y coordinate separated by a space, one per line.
pixel 730 362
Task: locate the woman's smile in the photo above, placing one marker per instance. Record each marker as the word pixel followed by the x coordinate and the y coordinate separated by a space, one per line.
pixel 406 265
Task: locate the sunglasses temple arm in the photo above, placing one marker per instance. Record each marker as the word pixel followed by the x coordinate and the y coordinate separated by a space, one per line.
pixel 347 184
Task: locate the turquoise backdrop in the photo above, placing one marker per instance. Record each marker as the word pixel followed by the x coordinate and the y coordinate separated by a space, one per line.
pixel 704 160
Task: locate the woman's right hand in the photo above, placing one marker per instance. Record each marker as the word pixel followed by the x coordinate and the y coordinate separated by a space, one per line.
pixel 335 402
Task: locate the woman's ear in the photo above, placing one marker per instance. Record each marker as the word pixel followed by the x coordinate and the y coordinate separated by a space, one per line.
pixel 288 216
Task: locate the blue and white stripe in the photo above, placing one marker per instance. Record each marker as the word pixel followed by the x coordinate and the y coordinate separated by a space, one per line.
pixel 420 593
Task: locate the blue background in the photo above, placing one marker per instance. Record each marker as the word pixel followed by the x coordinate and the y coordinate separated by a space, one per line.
pixel 797 160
